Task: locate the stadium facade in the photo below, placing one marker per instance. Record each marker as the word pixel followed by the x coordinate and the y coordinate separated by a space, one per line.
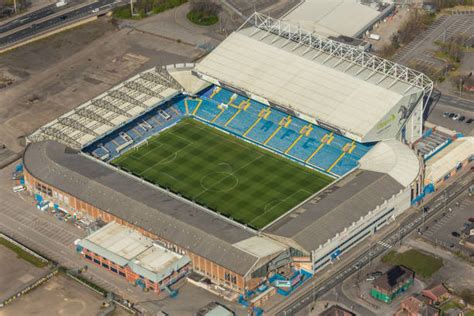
pixel 358 99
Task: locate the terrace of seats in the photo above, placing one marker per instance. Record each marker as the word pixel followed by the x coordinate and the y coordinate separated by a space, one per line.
pixel 288 135
pixel 113 144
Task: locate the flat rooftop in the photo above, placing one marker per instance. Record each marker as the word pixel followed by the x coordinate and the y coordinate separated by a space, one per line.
pixel 127 247
pixel 125 242
pixel 333 17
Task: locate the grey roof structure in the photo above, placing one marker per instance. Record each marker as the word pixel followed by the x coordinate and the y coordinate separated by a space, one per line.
pixel 324 80
pixel 338 206
pixel 146 206
pixel 127 247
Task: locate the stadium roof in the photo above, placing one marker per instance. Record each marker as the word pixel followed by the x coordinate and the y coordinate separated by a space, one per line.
pixel 334 83
pixel 175 219
pixel 329 211
pixel 393 158
pixel 325 16
pixel 110 110
pixel 448 158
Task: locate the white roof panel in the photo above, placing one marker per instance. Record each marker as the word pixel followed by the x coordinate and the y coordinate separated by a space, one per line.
pixel 447 159
pixel 298 81
pixel 325 16
pixel 393 158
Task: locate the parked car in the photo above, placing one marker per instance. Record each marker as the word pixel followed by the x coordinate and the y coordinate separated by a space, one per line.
pixel 446 114
pixel 456 234
pixel 469 121
pixel 451 115
pixel 456 116
pixel 471 219
pixel 18 188
pixel 462 118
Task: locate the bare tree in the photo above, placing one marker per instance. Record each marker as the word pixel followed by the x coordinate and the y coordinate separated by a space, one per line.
pixel 207 7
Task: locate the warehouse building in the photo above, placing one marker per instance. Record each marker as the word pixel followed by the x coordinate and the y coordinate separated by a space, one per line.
pixel 133 256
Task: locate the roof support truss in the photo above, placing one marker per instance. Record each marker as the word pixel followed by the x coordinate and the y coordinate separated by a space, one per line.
pixel 93 116
pixel 56 134
pixel 67 121
pixel 120 95
pixel 101 103
pixel 353 55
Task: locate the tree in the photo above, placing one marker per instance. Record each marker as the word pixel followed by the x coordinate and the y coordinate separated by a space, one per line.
pixel 206 7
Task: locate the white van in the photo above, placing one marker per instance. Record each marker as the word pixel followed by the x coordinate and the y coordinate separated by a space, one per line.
pixel 19 188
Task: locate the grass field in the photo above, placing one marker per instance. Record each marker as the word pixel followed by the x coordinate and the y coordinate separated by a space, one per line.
pixel 226 174
pixel 422 264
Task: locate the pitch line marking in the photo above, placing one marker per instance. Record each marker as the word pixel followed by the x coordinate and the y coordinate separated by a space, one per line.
pixel 280 201
pixel 230 174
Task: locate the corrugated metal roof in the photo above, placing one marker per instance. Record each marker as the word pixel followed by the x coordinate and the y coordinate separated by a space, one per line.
pixel 146 206
pixel 338 206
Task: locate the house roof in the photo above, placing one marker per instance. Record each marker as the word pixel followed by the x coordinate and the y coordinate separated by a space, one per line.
pixel 393 278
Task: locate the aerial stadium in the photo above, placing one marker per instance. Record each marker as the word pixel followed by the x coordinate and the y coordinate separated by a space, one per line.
pixel 278 150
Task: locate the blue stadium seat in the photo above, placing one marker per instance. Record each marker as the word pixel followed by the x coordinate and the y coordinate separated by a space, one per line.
pixel 286 140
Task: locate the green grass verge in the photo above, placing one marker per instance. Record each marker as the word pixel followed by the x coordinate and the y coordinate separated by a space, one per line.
pixel 222 172
pixel 23 254
pixel 202 18
pixel 450 304
pixel 422 264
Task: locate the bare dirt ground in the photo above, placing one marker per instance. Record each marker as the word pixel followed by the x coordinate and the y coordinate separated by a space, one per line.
pixel 58 296
pixel 54 75
pixel 16 273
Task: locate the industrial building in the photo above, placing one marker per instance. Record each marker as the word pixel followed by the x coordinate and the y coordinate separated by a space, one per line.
pixel 324 16
pixel 133 256
pixel 356 101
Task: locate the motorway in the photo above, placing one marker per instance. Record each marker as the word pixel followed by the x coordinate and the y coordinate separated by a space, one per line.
pixel 28 18
pixel 406 227
pixel 55 21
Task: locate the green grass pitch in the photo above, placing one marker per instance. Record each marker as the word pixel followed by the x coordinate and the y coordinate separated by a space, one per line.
pixel 235 178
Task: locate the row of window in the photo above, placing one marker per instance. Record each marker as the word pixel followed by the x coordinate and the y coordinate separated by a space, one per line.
pixel 44 189
pixel 230 278
pixel 377 221
pixel 105 265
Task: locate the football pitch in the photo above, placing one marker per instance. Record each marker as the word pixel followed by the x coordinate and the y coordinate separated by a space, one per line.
pixel 230 176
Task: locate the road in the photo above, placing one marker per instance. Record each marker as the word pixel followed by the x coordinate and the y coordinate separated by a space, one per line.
pixel 30 17
pixel 456 102
pixel 57 20
pixel 53 239
pixel 410 224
